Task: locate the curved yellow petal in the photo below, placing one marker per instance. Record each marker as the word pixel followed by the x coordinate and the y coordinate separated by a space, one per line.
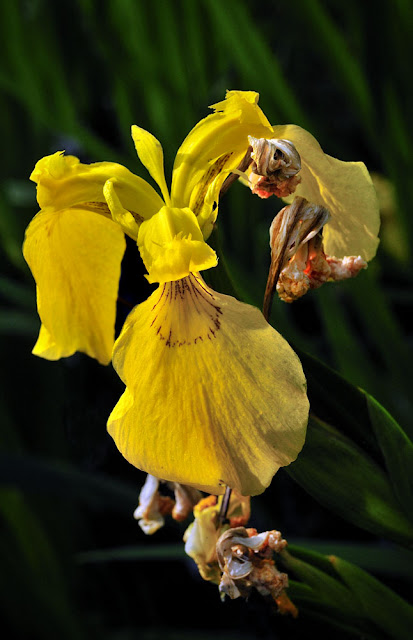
pixel 129 223
pixel 75 258
pixel 150 153
pixel 214 394
pixel 172 246
pixel 216 146
pixel 344 188
pixel 63 181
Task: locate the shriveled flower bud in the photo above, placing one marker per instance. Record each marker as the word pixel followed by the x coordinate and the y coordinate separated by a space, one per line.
pixel 153 506
pixel 298 260
pixel 245 559
pixel 275 166
pixel 201 536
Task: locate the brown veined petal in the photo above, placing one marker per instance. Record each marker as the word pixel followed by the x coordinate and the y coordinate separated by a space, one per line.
pixel 344 188
pixel 214 147
pixel 75 258
pixel 214 394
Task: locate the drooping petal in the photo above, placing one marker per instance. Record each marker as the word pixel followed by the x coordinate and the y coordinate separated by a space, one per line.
pixel 75 258
pixel 150 153
pixel 215 147
pixel 172 246
pixel 63 181
pixel 344 188
pixel 214 394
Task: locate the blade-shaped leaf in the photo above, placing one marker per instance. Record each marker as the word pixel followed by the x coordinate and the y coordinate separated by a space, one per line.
pixel 397 450
pixel 342 477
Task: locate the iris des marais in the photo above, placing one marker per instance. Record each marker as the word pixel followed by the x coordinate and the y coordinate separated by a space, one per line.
pixel 214 395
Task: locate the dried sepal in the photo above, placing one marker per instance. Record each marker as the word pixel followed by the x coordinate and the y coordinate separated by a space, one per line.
pixel 153 506
pixel 185 500
pixel 291 228
pixel 246 561
pixel 298 260
pixel 275 166
pixel 202 535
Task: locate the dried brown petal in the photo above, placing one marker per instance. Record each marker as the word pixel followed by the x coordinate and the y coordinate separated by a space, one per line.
pixel 275 166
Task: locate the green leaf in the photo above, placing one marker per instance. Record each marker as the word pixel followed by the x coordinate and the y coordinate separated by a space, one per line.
pixel 14 323
pixel 392 561
pixel 397 450
pixel 57 478
pixel 146 553
pixel 379 604
pixel 336 401
pixel 33 578
pixel 254 58
pixel 342 477
pixel 328 596
pixel 17 293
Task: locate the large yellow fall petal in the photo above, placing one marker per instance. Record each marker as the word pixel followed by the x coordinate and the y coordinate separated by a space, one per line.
pixel 172 246
pixel 75 258
pixel 344 188
pixel 214 394
pixel 215 147
pixel 150 153
pixel 63 181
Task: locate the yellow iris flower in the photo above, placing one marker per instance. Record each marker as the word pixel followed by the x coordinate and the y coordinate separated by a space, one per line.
pixel 214 395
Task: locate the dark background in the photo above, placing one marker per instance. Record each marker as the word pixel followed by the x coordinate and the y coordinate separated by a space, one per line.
pixel 75 75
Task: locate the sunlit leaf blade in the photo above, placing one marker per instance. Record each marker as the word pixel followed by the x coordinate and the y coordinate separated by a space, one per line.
pixel 343 478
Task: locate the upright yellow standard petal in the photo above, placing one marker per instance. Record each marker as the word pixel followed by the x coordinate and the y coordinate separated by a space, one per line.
pixel 344 188
pixel 215 147
pixel 75 258
pixel 150 153
pixel 63 181
pixel 172 246
pixel 214 394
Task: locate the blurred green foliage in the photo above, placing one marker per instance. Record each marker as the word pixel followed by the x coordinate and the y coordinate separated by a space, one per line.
pixel 75 75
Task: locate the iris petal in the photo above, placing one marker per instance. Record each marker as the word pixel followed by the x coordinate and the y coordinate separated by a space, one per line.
pixel 216 145
pixel 172 246
pixel 129 223
pixel 75 258
pixel 214 394
pixel 344 188
pixel 150 153
pixel 63 181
